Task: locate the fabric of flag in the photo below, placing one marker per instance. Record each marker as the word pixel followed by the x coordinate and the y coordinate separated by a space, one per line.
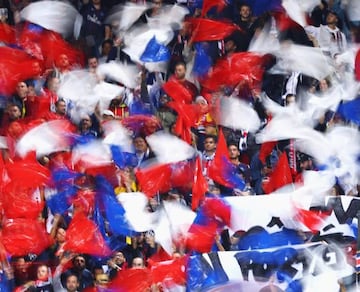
pixel 7 33
pixel 357 65
pixel 30 38
pixel 221 170
pixel 200 238
pixel 218 210
pixel 210 30
pixel 22 236
pixel 18 202
pixel 245 67
pixel 208 4
pixel 173 271
pixel 83 236
pixel 280 177
pixel 177 91
pixel 200 186
pixel 61 201
pixel 131 280
pixel 31 173
pixel 311 219
pixel 114 211
pixel 154 179
pixel 142 124
pixel 203 62
pixel 265 150
pixel 182 174
pixel 350 111
pixel 123 159
pixel 155 52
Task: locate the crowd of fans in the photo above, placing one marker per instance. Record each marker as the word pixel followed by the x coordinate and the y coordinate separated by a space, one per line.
pixel 36 100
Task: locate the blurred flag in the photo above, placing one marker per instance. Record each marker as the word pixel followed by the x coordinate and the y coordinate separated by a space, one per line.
pixel 155 52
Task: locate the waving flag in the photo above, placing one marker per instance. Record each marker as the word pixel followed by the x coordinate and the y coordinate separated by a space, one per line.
pixel 208 4
pixel 210 30
pixel 83 236
pixel 350 111
pixel 7 33
pixel 155 52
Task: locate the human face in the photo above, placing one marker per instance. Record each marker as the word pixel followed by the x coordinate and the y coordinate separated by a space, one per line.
pixel 61 108
pixel 63 61
pixel 14 113
pixel 72 283
pixel 140 145
pixel 79 263
pixel 54 84
pixel 60 235
pixel 106 49
pixel 233 152
pixel 331 19
pixel 138 263
pixel 245 12
pixel 119 258
pixel 86 123
pixel 22 90
pixel 209 144
pixel 180 72
pixel 92 63
pixel 42 273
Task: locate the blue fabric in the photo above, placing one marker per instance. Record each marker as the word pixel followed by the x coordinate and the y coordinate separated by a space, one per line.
pixel 202 63
pixel 155 52
pixel 123 159
pixel 350 111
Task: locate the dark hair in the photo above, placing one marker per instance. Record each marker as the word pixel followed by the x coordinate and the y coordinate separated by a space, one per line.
pixel 182 63
pixel 108 41
pixel 59 100
pixel 212 137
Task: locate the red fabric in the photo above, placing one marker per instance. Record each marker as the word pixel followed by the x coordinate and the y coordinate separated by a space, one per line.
pixel 131 280
pixel 208 4
pixel 16 66
pixel 311 219
pixel 23 236
pixel 245 67
pixel 84 201
pixel 357 65
pixel 210 30
pixel 54 48
pixel 265 150
pixel 178 91
pixel 170 272
pixel 18 202
pixel 28 172
pixel 154 179
pixel 182 130
pixel 220 165
pixel 200 238
pixel 83 236
pixel 7 33
pixel 200 186
pixel 280 177
pixel 182 174
pixel 190 113
pixel 217 209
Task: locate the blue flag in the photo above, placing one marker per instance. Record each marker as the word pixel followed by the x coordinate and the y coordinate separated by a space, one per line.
pixel 202 63
pixel 155 52
pixel 350 111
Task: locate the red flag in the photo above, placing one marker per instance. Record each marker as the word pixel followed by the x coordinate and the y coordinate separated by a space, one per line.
pixel 7 33
pixel 143 124
pixel 182 174
pixel 200 238
pixel 280 177
pixel 131 280
pixel 216 209
pixel 182 130
pixel 83 236
pixel 208 4
pixel 154 179
pixel 178 92
pixel 210 30
pixel 245 67
pixel 190 113
pixel 57 51
pixel 84 201
pixel 18 202
pixel 23 236
pixel 311 219
pixel 357 65
pixel 28 172
pixel 219 167
pixel 200 185
pixel 265 150
pixel 169 273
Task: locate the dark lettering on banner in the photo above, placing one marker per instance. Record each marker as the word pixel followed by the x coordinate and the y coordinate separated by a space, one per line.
pixel 335 204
